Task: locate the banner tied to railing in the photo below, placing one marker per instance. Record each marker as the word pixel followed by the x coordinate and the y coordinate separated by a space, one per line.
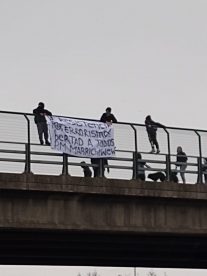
pixel 81 138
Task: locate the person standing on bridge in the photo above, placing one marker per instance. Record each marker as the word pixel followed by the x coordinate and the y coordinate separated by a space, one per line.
pixel 151 128
pixel 40 112
pixel 108 117
pixel 99 163
pixel 181 162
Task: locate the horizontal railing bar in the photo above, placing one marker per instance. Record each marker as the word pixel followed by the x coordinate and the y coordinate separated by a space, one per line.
pixel 120 159
pixel 12 151
pixel 39 145
pixel 95 120
pixel 154 154
pixel 47 162
pixel 125 151
pixel 181 163
pixel 119 167
pixel 13 143
pixel 60 154
pixel 12 160
pixel 46 153
pixel 151 161
pixel 187 171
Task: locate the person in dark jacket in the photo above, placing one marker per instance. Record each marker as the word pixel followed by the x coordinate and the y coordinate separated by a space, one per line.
pixel 86 170
pixel 96 169
pixel 108 117
pixel 151 128
pixel 181 162
pixel 40 112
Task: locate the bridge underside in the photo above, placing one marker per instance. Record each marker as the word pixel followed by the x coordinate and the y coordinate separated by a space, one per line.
pixel 26 247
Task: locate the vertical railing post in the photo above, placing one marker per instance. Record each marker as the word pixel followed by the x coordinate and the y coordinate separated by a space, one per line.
pixel 200 173
pixel 101 167
pixel 135 162
pixel 65 164
pixel 168 157
pixel 27 148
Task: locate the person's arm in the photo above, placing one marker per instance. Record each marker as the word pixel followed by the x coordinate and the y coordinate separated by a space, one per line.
pixel 35 111
pixel 114 120
pixel 147 166
pixel 159 125
pixel 177 160
pixel 103 120
pixel 48 113
pixel 186 158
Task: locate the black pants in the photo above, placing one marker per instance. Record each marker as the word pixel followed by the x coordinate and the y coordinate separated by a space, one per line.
pixel 42 129
pixel 153 140
pixel 96 161
pixel 141 176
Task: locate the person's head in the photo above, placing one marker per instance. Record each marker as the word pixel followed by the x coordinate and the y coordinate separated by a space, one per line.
pixel 83 163
pixel 148 118
pixel 139 156
pixel 179 149
pixel 41 104
pixel 108 110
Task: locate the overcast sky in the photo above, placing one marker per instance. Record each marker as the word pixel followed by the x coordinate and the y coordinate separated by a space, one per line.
pixel 80 56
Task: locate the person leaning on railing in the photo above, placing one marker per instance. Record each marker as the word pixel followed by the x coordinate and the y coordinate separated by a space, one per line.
pixel 40 112
pixel 181 162
pixel 151 127
pixel 108 117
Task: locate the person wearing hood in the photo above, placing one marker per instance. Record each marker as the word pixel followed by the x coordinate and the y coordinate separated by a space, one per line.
pixel 151 127
pixel 108 117
pixel 40 112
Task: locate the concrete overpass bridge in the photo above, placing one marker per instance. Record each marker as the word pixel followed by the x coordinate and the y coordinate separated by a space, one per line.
pixel 48 217
pixel 63 220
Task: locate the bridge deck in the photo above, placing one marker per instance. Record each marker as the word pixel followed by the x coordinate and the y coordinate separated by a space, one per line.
pixel 63 220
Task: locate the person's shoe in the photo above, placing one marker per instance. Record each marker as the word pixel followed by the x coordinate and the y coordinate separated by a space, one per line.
pixel 158 151
pixel 41 143
pixel 47 143
pixel 152 151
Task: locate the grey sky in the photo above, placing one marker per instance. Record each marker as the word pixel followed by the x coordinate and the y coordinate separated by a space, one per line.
pixel 140 57
pixel 80 56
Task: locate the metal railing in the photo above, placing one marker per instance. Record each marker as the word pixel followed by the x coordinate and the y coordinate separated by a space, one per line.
pixel 19 145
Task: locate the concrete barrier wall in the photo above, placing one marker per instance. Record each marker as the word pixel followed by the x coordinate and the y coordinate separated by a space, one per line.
pixel 73 203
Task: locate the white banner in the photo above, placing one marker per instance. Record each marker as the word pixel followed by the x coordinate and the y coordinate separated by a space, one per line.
pixel 81 138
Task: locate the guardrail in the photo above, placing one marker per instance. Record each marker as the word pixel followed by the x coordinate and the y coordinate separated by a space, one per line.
pixel 19 145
